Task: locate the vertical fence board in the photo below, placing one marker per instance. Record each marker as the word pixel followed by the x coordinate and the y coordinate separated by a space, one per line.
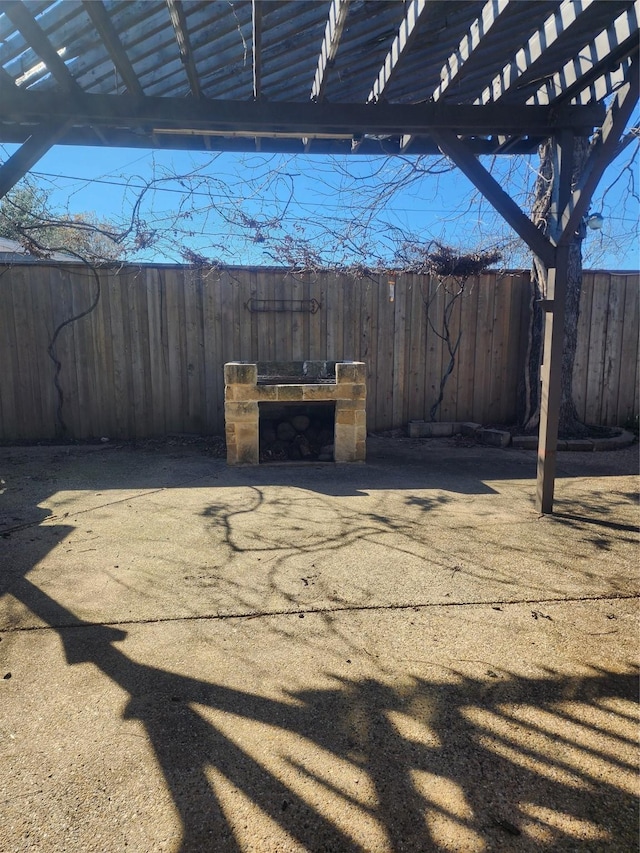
pixel 448 407
pixel 597 344
pixel 465 375
pixel 157 355
pixel 482 384
pixel 399 376
pixel 613 351
pixel 372 352
pixel 17 396
pixel 385 371
pixel 581 363
pixel 627 403
pixel 415 342
pixel 28 328
pixel 195 379
pixel 498 380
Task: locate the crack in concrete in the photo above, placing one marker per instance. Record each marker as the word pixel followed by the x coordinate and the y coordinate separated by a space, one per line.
pixel 320 610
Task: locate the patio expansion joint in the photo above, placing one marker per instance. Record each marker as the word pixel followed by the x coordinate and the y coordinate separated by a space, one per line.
pixel 217 617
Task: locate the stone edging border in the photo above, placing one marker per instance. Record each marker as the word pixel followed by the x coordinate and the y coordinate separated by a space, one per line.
pixel 503 438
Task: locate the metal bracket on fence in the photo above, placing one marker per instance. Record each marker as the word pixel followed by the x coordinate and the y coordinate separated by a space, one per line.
pixel 280 306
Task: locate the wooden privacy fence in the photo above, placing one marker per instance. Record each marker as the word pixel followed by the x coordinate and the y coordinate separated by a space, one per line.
pixel 149 359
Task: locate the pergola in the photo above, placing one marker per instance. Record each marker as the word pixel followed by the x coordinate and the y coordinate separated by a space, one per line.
pixel 457 77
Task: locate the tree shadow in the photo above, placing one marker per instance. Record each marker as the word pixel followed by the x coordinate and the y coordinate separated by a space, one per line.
pixel 456 763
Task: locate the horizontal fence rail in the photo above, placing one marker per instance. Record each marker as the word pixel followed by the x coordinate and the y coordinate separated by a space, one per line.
pixel 148 359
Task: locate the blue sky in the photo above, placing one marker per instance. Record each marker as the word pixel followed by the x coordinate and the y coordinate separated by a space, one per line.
pixel 313 196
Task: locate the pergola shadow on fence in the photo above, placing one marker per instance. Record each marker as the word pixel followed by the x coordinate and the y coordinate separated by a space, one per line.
pixel 148 360
pixel 463 79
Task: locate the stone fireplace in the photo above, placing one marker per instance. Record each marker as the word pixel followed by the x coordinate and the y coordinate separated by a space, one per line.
pixel 300 394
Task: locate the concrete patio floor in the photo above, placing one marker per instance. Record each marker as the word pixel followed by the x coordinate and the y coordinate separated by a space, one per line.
pixel 396 656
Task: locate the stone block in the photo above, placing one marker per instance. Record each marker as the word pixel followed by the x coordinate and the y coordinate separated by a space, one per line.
pixel 241 412
pixel 352 405
pixel 346 416
pixel 442 429
pixel 351 371
pixel 577 445
pixel 525 442
pixel 495 437
pixel 623 439
pixel 361 451
pixel 469 428
pixel 247 447
pixel 240 373
pixel 418 429
pixel 345 446
pixel 319 392
pixel 289 392
pixel 250 393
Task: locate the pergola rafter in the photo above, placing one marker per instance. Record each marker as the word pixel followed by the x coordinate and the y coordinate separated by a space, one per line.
pixel 338 10
pixel 610 47
pixel 36 38
pixel 523 64
pixel 95 9
pixel 401 43
pixel 181 30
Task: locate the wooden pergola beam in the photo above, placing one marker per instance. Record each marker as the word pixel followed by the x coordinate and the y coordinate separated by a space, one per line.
pixel 22 160
pixel 456 150
pixel 332 34
pixel 35 37
pixel 181 31
pixel 102 22
pixel 281 118
pixel 256 47
pixel 555 306
pixel 131 137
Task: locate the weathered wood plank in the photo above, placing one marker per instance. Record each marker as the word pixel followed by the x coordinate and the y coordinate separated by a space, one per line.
pixel 211 359
pixel 415 342
pixel 627 403
pixel 597 347
pixel 435 310
pixel 613 351
pixel 385 367
pixel 399 352
pixel 448 409
pixel 13 392
pixel 465 379
pixel 581 362
pixel 513 354
pixel 158 356
pixel 482 384
pixel 499 405
pixel 174 303
pixel 370 349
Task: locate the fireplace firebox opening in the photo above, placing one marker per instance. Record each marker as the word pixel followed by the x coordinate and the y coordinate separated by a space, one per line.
pixel 296 432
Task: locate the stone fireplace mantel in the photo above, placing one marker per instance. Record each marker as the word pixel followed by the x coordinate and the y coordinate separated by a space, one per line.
pixel 245 390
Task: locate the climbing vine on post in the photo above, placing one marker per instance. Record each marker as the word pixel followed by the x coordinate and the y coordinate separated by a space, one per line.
pixel 452 270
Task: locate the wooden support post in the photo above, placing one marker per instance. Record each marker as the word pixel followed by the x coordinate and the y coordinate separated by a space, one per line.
pixel 551 375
